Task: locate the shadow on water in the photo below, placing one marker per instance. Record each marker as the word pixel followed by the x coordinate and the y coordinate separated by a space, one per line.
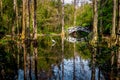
pixel 57 58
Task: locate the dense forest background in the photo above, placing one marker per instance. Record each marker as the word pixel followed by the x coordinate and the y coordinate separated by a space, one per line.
pixel 49 15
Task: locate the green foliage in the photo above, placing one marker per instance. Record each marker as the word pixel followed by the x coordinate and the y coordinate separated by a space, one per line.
pixel 107 10
pixel 69 15
pixel 84 15
pixel 7 16
pixel 8 59
pixel 48 17
pixel 84 50
pixel 104 56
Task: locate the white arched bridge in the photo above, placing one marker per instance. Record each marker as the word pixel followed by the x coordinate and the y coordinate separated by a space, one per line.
pixel 77 28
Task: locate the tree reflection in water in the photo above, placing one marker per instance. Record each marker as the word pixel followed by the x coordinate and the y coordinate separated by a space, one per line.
pixel 63 61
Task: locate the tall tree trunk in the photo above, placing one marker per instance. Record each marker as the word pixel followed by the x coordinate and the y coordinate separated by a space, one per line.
pixel 28 46
pixel 62 18
pixel 34 20
pixel 95 22
pixel 101 20
pixel 59 13
pixel 17 21
pixel 24 2
pixel 118 54
pixel 35 34
pixel 14 20
pixel 118 17
pixel 74 77
pixel 23 19
pixel 1 6
pixel 113 32
pixel 75 13
pixel 28 19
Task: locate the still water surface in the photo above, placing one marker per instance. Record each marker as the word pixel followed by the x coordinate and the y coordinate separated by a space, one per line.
pixel 57 59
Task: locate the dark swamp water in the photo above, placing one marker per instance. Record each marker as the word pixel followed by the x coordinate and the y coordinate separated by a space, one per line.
pixel 56 58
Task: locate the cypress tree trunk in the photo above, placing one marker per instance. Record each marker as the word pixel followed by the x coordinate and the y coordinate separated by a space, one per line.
pixel 59 13
pixel 74 13
pixel 1 6
pixel 14 19
pixel 23 19
pixel 74 76
pixel 62 37
pixel 113 32
pixel 95 36
pixel 101 20
pixel 35 35
pixel 28 19
pixel 34 20
pixel 28 36
pixel 17 21
pixel 118 54
pixel 95 22
pixel 24 2
pixel 62 18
